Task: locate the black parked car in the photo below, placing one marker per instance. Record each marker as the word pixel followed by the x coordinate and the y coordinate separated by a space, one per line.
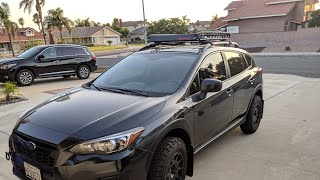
pixel 48 61
pixel 145 117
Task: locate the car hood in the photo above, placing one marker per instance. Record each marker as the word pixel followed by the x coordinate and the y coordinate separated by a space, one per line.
pixel 91 114
pixel 8 61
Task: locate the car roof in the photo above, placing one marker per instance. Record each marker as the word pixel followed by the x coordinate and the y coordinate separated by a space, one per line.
pixel 61 45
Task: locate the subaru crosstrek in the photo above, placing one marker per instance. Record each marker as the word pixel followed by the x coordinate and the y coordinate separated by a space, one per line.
pixel 145 117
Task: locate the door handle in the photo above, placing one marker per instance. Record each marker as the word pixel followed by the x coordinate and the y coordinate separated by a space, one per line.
pixel 56 61
pixel 251 81
pixel 77 58
pixel 229 92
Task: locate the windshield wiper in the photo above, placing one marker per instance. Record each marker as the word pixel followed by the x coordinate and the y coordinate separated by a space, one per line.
pixel 99 89
pixel 120 90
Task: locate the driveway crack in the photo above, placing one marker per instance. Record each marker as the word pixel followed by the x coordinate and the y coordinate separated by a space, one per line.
pixel 284 91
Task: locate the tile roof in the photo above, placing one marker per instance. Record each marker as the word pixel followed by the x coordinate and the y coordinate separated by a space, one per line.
pixel 201 23
pixel 259 8
pixel 139 31
pixel 80 32
pixel 218 23
pixel 233 4
pixel 288 1
pixel 132 23
pixel 4 38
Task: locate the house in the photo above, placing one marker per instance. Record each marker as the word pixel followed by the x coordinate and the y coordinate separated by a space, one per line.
pixel 23 36
pixel 88 35
pixel 137 35
pixel 248 16
pixel 219 25
pixel 133 25
pixel 199 26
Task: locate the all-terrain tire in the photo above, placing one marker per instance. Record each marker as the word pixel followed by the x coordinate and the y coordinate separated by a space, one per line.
pixel 254 116
pixel 169 161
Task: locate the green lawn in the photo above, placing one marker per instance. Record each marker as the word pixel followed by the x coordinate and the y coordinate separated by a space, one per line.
pixel 104 48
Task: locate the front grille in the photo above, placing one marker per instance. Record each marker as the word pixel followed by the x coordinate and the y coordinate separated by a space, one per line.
pixel 44 154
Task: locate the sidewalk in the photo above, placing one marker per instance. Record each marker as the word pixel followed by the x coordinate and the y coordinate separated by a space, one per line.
pixel 288 54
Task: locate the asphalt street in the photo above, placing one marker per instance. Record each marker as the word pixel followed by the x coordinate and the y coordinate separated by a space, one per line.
pixel 305 66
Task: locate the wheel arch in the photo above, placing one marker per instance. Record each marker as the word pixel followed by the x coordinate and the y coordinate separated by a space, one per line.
pixel 180 129
pixel 22 68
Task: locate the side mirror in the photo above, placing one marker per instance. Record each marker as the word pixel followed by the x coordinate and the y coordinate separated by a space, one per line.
pixel 40 57
pixel 211 85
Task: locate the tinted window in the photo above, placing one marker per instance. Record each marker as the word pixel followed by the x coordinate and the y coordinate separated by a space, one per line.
pixel 236 63
pixel 244 62
pixel 156 73
pixel 81 51
pixel 66 51
pixel 31 52
pixel 248 59
pixel 213 67
pixel 49 53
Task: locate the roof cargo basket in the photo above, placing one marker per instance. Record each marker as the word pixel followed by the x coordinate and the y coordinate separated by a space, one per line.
pixel 213 38
pixel 202 37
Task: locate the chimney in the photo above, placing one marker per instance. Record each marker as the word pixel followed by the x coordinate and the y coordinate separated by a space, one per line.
pixel 120 23
pixel 198 23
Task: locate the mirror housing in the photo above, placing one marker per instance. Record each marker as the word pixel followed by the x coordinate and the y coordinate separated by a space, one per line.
pixel 40 57
pixel 211 85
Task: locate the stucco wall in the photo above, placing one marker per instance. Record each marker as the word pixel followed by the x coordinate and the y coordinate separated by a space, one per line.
pixel 302 40
pixel 259 25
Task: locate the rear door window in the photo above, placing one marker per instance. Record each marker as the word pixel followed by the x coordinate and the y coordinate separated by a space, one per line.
pixel 236 63
pixel 66 51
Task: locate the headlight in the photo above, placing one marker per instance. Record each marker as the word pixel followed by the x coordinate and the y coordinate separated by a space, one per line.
pixel 108 144
pixel 7 66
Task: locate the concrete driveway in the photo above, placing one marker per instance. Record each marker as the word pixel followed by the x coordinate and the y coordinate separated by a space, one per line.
pixel 285 147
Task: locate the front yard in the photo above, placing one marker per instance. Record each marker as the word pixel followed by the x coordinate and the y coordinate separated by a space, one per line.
pixel 104 48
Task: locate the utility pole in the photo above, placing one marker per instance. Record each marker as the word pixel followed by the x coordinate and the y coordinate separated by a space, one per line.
pixel 144 22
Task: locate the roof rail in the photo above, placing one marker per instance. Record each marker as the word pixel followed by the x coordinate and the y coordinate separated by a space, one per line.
pixel 206 37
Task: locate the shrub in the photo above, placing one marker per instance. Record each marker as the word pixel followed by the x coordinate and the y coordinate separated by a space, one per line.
pixel 8 89
pixel 110 42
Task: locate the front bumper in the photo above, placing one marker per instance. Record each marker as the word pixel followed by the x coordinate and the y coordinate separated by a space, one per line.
pixel 126 165
pixel 5 76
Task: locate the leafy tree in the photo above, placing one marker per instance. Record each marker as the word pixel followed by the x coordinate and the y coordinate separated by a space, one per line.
pixel 214 18
pixel 169 26
pixel 28 5
pixel 96 23
pixel 8 89
pixel 315 19
pixel 116 26
pixel 56 19
pixel 21 22
pixel 11 27
pixel 36 20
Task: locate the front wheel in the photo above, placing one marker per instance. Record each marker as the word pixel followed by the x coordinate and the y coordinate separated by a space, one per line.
pixel 169 161
pixel 25 77
pixel 83 72
pixel 253 117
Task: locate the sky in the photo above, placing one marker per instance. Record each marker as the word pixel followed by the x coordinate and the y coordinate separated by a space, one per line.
pixel 128 10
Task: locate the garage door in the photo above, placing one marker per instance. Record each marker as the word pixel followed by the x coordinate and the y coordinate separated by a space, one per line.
pixel 113 39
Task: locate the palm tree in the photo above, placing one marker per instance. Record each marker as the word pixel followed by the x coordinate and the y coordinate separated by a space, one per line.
pixel 21 22
pixel 56 19
pixel 36 20
pixel 11 27
pixel 28 4
pixel 95 23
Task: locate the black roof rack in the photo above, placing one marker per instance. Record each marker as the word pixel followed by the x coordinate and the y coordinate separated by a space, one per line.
pixel 206 37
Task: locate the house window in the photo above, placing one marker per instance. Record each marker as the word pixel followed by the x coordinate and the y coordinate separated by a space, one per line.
pixel 94 40
pixel 233 29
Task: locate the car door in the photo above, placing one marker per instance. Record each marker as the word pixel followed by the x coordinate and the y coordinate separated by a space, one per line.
pixel 212 112
pixel 49 64
pixel 242 79
pixel 68 59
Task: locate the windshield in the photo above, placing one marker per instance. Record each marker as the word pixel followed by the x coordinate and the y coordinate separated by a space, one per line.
pixel 31 52
pixel 156 74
